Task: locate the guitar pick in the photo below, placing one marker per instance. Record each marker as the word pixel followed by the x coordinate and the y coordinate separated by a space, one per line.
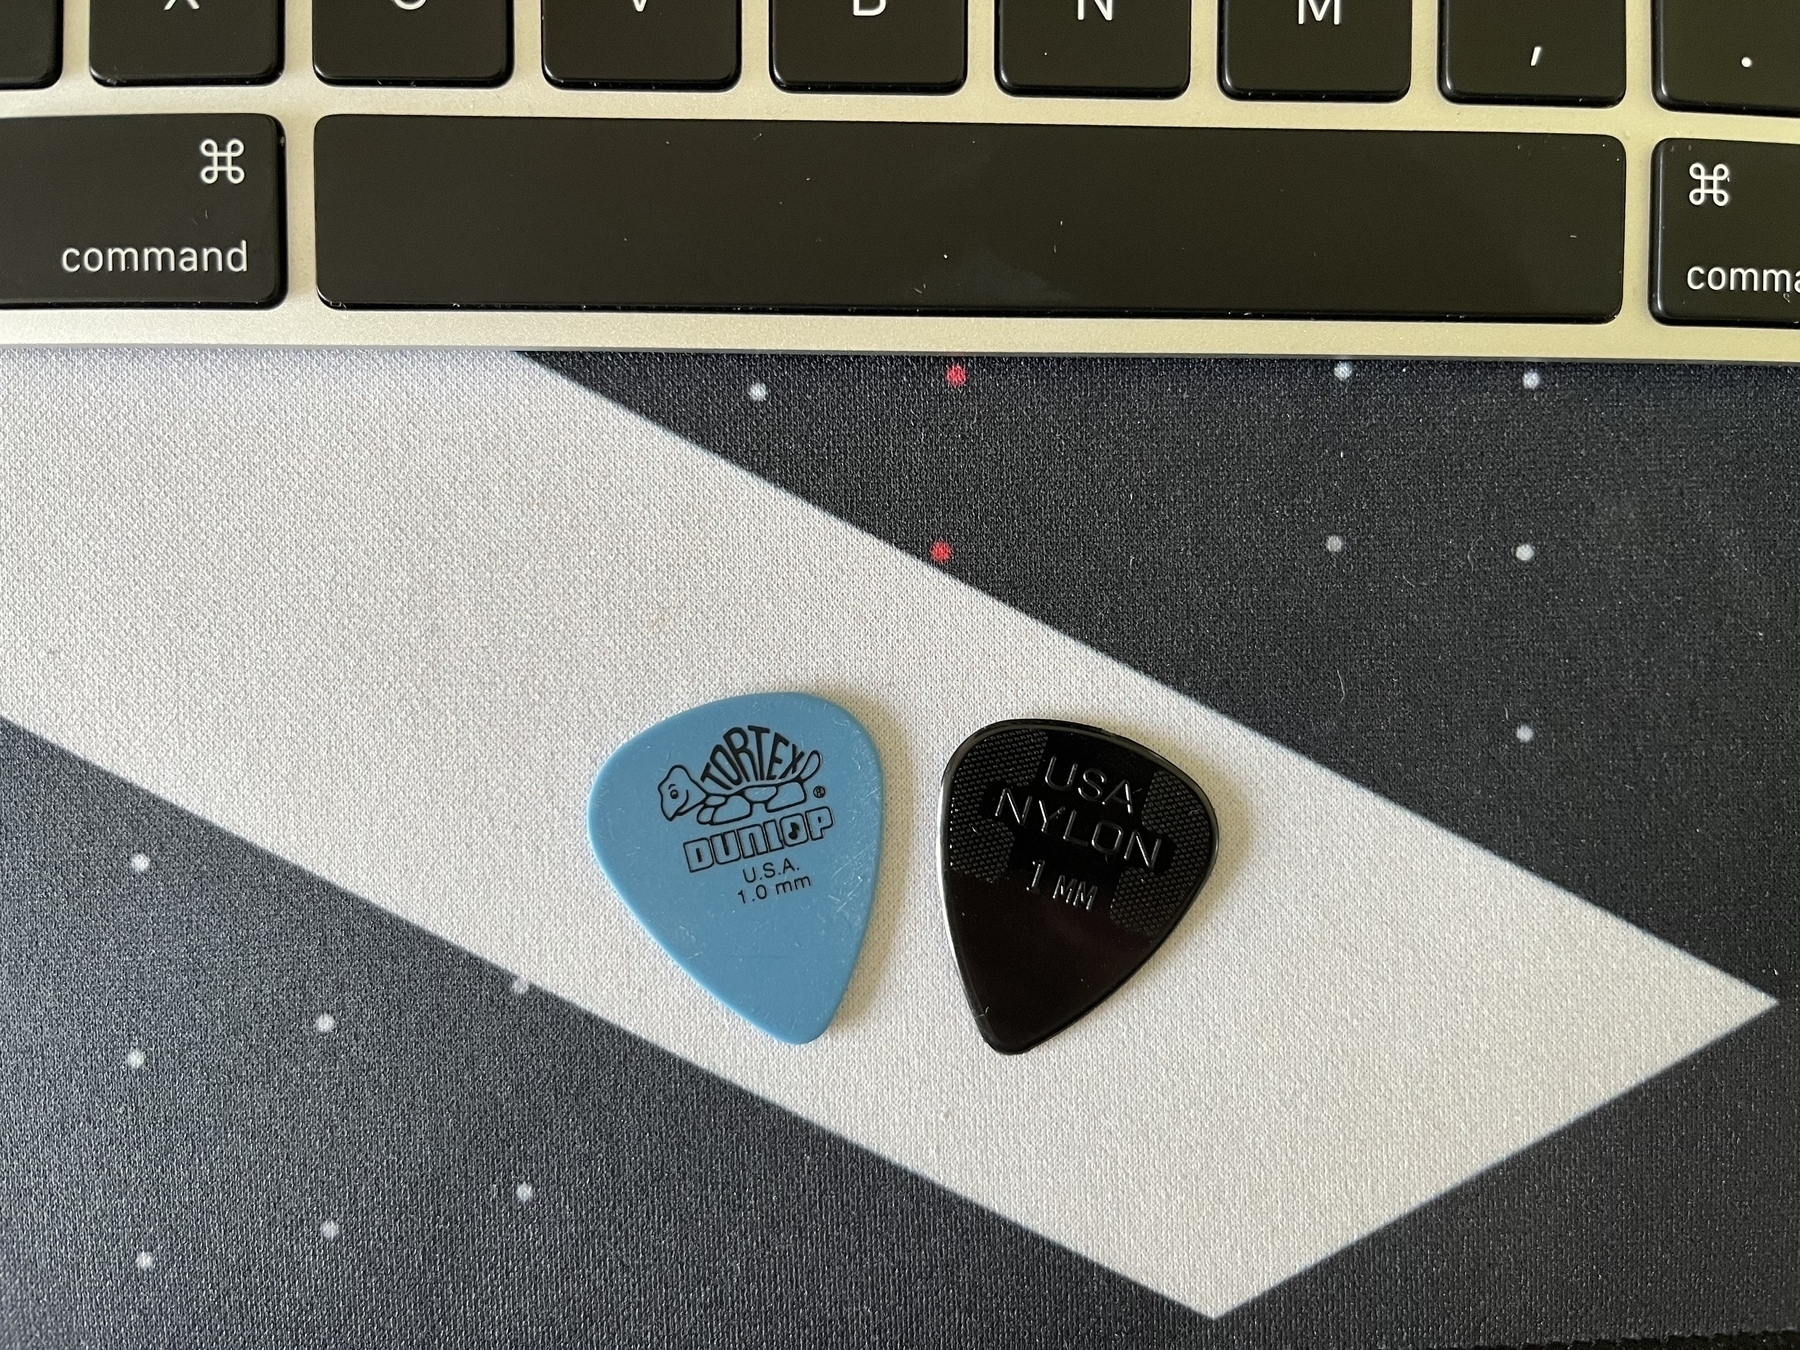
pixel 1067 855
pixel 744 835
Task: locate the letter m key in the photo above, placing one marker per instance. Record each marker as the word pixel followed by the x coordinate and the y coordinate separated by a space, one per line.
pixel 1319 9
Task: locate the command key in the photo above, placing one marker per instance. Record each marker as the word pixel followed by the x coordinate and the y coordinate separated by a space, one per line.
pixel 162 210
pixel 1727 249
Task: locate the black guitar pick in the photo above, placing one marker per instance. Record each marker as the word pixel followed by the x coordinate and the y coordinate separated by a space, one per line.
pixel 1067 855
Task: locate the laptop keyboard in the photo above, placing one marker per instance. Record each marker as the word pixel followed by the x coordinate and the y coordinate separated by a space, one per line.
pixel 1585 178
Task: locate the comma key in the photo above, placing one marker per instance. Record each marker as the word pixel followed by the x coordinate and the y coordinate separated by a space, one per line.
pixel 179 210
pixel 1724 237
pixel 1533 51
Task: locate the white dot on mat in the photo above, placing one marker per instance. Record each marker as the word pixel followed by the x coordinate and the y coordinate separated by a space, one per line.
pixel 324 1024
pixel 140 863
pixel 1525 734
pixel 525 1192
pixel 1748 63
pixel 1334 543
pixel 521 986
pixel 329 1230
pixel 1531 379
pixel 143 1261
pixel 1343 370
pixel 134 1058
pixel 1525 552
pixel 758 392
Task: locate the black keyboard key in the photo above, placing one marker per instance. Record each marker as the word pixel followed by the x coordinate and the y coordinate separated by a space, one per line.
pixel 1729 55
pixel 445 42
pixel 1325 49
pixel 883 217
pixel 869 46
pixel 641 44
pixel 1534 51
pixel 1725 245
pixel 165 210
pixel 184 41
pixel 1118 47
pixel 30 43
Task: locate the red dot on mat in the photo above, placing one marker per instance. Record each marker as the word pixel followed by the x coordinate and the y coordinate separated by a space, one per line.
pixel 941 552
pixel 957 375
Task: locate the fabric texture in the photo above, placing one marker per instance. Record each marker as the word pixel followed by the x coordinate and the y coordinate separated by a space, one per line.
pixel 1479 1052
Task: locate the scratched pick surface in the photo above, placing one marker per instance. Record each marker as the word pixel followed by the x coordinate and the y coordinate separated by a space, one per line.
pixel 745 836
pixel 1068 855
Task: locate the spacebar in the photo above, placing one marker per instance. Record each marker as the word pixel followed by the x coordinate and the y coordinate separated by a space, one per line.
pixel 941 218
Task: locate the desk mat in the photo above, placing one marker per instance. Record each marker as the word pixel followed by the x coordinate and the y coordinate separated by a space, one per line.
pixel 323 1028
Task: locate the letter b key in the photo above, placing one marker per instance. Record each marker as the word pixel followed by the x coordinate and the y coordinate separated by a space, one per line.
pixel 872 46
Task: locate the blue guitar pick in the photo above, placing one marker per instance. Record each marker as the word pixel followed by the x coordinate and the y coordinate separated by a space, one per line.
pixel 744 835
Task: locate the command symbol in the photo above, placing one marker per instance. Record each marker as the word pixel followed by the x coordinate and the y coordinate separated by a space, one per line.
pixel 1711 182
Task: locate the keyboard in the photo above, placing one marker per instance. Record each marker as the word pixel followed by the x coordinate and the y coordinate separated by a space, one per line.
pixel 1494 178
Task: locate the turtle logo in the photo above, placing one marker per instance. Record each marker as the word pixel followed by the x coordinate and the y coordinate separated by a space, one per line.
pixel 748 768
